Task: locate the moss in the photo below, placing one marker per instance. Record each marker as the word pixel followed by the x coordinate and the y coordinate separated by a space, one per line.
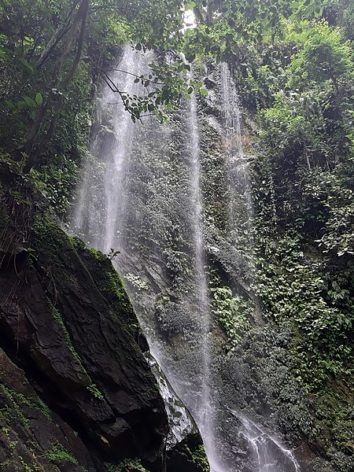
pixel 32 402
pixel 57 453
pixel 93 389
pixel 189 453
pixel 58 319
pixel 47 242
pixel 127 465
pixel 196 456
pixel 100 266
pixel 98 255
pixel 12 411
pixel 108 282
pixel 200 458
pixel 114 284
pixel 49 233
pixel 27 467
pixel 53 244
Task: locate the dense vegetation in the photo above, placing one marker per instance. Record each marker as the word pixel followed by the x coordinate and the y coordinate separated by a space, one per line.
pixel 293 66
pixel 52 57
pixel 292 62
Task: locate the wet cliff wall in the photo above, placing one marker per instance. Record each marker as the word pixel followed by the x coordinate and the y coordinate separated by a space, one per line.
pixel 77 393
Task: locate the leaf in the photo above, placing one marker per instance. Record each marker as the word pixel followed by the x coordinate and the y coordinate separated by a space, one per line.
pixel 26 64
pixel 29 101
pixel 39 99
pixel 10 104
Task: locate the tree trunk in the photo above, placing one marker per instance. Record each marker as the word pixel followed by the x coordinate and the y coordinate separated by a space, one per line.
pixel 76 19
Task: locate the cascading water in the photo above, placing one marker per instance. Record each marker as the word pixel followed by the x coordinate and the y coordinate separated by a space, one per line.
pixel 204 409
pixel 270 455
pixel 141 195
pixel 130 199
pixel 100 223
pixel 240 206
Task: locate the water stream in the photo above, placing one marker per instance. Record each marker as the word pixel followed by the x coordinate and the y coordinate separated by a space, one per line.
pixel 270 455
pixel 202 297
pixel 100 208
pixel 240 206
pixel 141 194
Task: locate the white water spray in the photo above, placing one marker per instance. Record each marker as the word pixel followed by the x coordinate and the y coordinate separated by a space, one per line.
pixel 271 456
pixel 204 410
pixel 240 206
pixel 109 214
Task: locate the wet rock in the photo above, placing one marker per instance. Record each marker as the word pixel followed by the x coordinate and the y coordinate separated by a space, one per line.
pixel 66 320
pixel 31 435
pixel 188 456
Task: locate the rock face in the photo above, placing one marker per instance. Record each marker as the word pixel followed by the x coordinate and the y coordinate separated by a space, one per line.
pixel 69 331
pixel 31 435
pixel 188 456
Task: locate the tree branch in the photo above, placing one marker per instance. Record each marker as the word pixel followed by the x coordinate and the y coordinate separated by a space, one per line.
pixel 58 35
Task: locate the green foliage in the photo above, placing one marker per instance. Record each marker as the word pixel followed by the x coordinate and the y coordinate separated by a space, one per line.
pixel 56 181
pixel 292 63
pixel 93 389
pixel 66 336
pixel 58 454
pixel 166 85
pixel 127 465
pixel 32 402
pixel 334 202
pixel 322 55
pixel 294 286
pixel 303 181
pixel 137 281
pixel 259 39
pixel 234 314
pixel 12 410
pixel 200 458
pixel 49 63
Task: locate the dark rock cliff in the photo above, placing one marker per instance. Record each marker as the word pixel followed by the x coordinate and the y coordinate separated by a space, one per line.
pixel 76 392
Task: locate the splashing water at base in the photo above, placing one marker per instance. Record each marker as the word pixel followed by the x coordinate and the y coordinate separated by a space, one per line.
pixel 271 455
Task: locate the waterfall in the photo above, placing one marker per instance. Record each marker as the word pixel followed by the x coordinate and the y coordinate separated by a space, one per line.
pixel 141 195
pixel 202 298
pixel 204 409
pixel 99 219
pixel 271 456
pixel 240 207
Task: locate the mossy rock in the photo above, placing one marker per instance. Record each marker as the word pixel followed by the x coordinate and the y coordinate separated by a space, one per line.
pixel 189 456
pixel 75 331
